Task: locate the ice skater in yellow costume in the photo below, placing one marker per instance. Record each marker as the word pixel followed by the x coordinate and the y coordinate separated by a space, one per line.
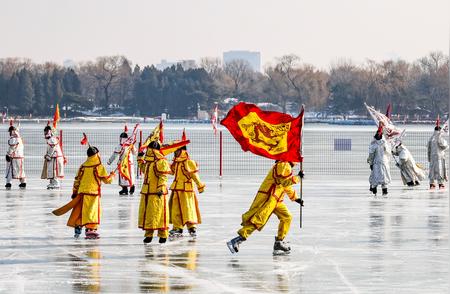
pixel 153 206
pixel 183 203
pixel 268 201
pixel 85 204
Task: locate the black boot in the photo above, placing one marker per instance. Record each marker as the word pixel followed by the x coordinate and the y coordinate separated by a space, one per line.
pixel 8 186
pixel 417 183
pixel 234 243
pixel 132 190
pixel 22 185
pixel 148 240
pixel 124 191
pixel 385 191
pixel 441 186
pixel 162 240
pixel 374 190
pixel 280 247
pixel 77 232
pixel 193 232
pixel 410 184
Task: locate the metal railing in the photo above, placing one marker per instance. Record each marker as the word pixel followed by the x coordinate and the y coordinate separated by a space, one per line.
pixel 326 151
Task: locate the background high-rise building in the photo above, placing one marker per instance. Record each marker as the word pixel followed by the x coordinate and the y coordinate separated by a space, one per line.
pixel 253 58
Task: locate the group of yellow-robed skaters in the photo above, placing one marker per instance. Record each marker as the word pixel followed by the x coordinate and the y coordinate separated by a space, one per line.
pixel 156 211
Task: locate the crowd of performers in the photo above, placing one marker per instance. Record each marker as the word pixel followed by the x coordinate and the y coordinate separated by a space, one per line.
pixel 382 148
pixel 158 208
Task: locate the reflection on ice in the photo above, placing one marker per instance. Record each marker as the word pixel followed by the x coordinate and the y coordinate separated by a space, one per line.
pixel 351 242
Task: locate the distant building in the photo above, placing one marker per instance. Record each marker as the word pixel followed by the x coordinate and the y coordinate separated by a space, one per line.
pixel 185 63
pixel 253 58
pixel 69 63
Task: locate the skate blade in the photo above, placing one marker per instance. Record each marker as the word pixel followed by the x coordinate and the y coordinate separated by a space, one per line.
pixel 231 248
pixel 175 237
pixel 281 252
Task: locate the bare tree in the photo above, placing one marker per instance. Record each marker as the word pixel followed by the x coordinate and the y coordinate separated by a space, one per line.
pixel 239 71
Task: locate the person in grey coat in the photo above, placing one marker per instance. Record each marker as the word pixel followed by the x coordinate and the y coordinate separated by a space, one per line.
pixel 410 173
pixel 437 146
pixel 378 160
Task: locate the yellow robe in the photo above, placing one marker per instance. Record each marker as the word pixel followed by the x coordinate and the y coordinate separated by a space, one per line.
pixel 154 209
pixel 87 187
pixel 183 203
pixel 278 182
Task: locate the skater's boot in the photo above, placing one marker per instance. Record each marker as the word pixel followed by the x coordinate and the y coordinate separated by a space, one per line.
pixel 8 186
pixel 410 184
pixel 77 232
pixel 124 191
pixel 162 240
pixel 148 240
pixel 374 190
pixel 234 243
pixel 370 188
pixel 92 234
pixel 22 186
pixel 432 186
pixel 441 186
pixel 385 192
pixel 132 190
pixel 280 247
pixel 417 183
pixel 174 233
pixel 193 232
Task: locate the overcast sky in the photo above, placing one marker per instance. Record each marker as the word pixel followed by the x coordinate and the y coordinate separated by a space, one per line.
pixel 147 31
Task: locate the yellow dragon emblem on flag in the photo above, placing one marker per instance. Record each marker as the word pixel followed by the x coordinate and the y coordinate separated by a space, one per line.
pixel 270 137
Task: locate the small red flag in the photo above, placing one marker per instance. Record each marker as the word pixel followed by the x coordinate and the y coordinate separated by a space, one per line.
pixel 56 116
pixel 270 134
pixel 84 141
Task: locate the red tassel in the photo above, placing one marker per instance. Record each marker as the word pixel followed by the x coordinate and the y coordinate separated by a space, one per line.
pixel 48 123
pixel 11 122
pixel 183 137
pixel 125 129
pixel 84 141
pixel 380 129
pixel 438 121
pixel 161 132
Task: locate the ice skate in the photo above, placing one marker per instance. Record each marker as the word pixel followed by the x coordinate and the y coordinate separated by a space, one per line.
pixel 193 233
pixel 77 232
pixel 234 243
pixel 22 186
pixel 432 186
pixel 8 186
pixel 417 183
pixel 148 240
pixel 410 184
pixel 441 186
pixel 162 240
pixel 124 191
pixel 385 191
pixel 92 234
pixel 281 248
pixel 374 190
pixel 175 234
pixel 132 188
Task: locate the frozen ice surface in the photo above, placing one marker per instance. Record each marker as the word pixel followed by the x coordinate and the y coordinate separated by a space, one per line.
pixel 350 242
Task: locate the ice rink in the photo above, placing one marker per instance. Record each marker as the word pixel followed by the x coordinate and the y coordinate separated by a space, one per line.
pixel 350 242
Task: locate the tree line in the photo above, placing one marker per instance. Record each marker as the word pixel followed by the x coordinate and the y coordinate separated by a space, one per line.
pixel 112 84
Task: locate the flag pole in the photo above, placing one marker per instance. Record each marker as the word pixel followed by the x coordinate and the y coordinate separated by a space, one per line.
pixel 301 163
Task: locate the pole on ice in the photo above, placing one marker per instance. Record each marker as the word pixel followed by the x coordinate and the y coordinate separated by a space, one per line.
pixel 301 162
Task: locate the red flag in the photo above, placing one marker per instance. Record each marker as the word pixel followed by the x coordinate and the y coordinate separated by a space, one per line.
pixel 56 116
pixel 270 134
pixel 84 141
pixel 388 111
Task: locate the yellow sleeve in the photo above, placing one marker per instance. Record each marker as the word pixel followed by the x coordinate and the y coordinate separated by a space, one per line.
pixel 163 170
pixel 192 169
pixel 291 192
pixel 103 175
pixel 76 182
pixel 283 174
